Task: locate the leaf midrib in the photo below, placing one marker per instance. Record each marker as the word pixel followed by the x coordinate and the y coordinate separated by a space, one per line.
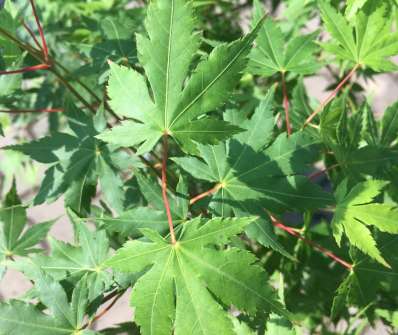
pixel 203 92
pixel 167 88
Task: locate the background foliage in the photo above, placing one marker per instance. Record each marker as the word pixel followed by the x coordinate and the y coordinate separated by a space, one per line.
pixel 196 168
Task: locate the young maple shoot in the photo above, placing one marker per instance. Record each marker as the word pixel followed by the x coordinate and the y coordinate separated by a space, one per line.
pixel 200 177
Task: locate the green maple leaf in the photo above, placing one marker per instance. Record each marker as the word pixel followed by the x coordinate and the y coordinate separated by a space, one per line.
pixel 368 42
pixel 274 55
pixel 72 262
pixel 368 278
pixel 356 211
pixel 15 238
pixel 17 317
pixel 176 293
pixel 114 43
pixel 153 216
pixel 166 55
pixel 78 161
pixel 250 179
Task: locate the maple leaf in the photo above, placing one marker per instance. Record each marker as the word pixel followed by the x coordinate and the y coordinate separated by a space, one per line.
pixel 78 161
pixel 15 238
pixel 176 293
pixel 17 317
pixel 166 55
pixel 251 178
pixel 273 55
pixel 368 278
pixel 356 210
pixel 72 262
pixel 368 42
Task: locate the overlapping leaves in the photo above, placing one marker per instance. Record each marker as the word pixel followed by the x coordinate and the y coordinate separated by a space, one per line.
pixel 17 317
pixel 72 262
pixel 177 290
pixel 78 160
pixel 152 216
pixel 252 176
pixel 15 238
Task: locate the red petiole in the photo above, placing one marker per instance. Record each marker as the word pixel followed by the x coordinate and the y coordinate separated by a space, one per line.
pixel 164 189
pixel 331 95
pixel 311 243
pixel 43 46
pixel 40 28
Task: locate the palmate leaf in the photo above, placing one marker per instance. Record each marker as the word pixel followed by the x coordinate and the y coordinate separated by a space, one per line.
pixel 368 42
pixel 251 179
pixel 78 162
pixel 72 262
pixel 166 54
pixel 17 317
pixel 355 211
pixel 274 55
pixel 15 238
pixel 197 270
pixel 368 278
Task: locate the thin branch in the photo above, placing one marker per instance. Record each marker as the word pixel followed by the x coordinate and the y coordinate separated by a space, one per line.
pixel 311 243
pixel 106 310
pixel 32 51
pixel 32 34
pixel 40 110
pixel 320 173
pixel 205 194
pixel 73 91
pixel 164 189
pixel 286 105
pixel 26 69
pixel 40 28
pixel 331 95
pixel 70 74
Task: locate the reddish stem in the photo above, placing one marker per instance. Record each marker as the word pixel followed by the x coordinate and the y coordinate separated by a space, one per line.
pixel 286 105
pixel 32 34
pixel 331 96
pixel 164 189
pixel 106 310
pixel 205 194
pixel 27 69
pixel 320 173
pixel 40 110
pixel 311 243
pixel 39 27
